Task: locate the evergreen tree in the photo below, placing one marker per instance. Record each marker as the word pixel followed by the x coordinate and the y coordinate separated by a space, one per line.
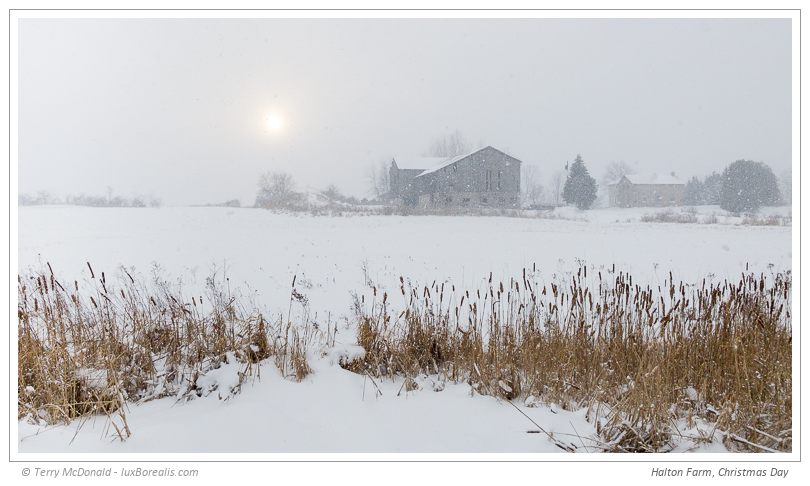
pixel 786 187
pixel 711 189
pixel 580 187
pixel 748 185
pixel 693 193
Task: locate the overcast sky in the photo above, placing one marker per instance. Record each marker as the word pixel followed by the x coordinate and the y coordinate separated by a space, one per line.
pixel 177 108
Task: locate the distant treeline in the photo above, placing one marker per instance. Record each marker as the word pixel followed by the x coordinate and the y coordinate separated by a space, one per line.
pixel 109 201
pixel 231 203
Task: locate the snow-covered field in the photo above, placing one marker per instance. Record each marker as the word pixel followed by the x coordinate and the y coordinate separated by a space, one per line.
pixel 335 256
pixel 334 410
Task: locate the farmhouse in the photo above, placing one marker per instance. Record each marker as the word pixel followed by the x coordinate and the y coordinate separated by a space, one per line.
pixel 634 190
pixel 484 177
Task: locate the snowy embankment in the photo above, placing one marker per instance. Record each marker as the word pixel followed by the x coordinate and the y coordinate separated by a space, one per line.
pixel 333 410
pixel 332 259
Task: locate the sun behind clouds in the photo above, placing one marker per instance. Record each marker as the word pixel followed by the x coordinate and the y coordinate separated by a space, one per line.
pixel 274 122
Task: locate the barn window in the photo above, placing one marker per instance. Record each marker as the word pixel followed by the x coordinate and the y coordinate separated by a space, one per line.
pixel 499 180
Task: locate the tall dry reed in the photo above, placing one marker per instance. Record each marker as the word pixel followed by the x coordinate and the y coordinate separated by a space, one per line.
pixel 642 359
pixel 89 349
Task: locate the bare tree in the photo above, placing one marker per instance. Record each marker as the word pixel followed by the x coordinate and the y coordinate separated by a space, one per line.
pixel 379 179
pixel 557 181
pixel 333 193
pixel 277 190
pixel 615 171
pixel 449 145
pixel 531 188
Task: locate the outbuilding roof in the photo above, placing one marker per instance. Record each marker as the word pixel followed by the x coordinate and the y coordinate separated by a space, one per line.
pixel 653 178
pixel 418 163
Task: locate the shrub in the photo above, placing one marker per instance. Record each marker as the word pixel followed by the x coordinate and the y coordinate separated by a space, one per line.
pixel 670 216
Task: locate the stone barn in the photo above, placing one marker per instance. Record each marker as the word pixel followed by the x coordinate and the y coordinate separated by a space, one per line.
pixel 484 177
pixel 634 190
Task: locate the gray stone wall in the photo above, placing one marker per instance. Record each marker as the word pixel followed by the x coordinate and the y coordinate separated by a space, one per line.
pixel 401 183
pixel 468 199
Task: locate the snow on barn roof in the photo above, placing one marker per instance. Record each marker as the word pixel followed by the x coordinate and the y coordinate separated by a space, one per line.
pixel 445 162
pixel 418 163
pixel 453 160
pixel 652 179
pixel 429 165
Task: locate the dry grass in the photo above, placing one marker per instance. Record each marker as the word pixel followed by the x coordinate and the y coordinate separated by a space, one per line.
pixel 770 220
pixel 670 216
pixel 641 359
pixel 690 216
pixel 647 362
pixel 349 210
pixel 89 351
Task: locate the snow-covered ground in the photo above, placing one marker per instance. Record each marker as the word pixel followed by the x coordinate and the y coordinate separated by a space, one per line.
pixel 334 410
pixel 335 256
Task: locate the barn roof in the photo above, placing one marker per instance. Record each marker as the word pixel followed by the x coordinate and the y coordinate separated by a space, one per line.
pixel 445 162
pixel 452 160
pixel 651 179
pixel 429 165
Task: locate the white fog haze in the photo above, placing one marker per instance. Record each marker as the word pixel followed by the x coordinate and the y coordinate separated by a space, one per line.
pixel 192 111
